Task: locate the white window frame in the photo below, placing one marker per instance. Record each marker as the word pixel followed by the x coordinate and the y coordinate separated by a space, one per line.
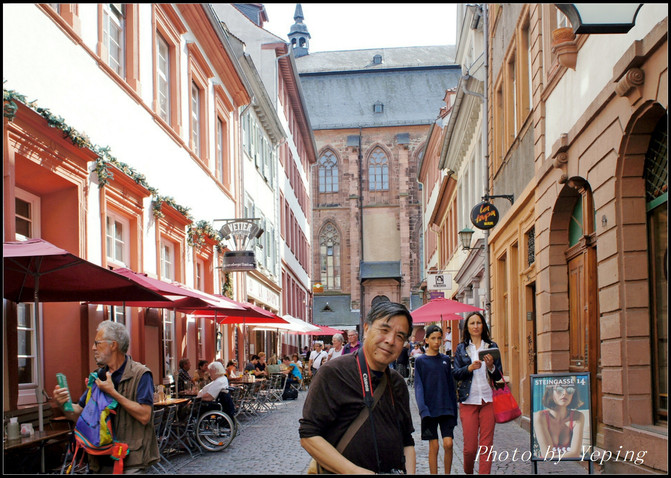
pixel 170 362
pixel 113 17
pixel 167 260
pixel 113 240
pixel 27 390
pixel 35 204
pixel 163 77
pixel 195 117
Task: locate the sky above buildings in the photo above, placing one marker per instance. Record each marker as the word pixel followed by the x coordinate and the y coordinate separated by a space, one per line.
pixel 357 26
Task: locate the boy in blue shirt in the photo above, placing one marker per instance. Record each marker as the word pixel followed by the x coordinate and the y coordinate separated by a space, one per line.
pixel 436 397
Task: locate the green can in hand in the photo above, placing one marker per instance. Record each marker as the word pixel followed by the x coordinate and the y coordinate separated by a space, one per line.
pixel 63 383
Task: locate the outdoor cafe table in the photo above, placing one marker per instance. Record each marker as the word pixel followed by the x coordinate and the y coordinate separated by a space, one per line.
pixel 170 401
pixel 40 438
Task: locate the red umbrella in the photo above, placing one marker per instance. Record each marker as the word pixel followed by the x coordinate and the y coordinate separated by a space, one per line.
pixel 223 305
pixel 323 330
pixel 440 309
pixel 427 318
pixel 37 271
pixel 251 314
pixel 176 296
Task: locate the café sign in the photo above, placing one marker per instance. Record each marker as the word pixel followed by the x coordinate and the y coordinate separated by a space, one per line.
pixel 241 232
pixel 484 215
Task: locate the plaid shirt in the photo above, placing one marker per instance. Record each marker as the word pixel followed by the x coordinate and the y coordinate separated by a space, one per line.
pixel 184 379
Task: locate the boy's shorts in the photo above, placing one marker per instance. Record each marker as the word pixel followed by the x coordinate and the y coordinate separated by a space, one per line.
pixel 430 427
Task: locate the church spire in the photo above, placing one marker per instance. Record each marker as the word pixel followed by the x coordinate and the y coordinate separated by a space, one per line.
pixel 299 36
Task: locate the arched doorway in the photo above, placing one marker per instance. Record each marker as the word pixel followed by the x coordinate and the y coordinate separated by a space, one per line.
pixel 655 175
pixel 584 340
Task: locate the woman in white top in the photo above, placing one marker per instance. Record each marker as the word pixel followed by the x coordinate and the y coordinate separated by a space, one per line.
pixel 474 392
pixel 337 349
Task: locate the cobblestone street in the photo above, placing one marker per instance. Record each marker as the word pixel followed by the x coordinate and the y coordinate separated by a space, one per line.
pixel 271 446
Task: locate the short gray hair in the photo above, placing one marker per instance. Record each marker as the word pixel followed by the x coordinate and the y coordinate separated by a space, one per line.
pixel 216 369
pixel 386 309
pixel 116 332
pixel 338 337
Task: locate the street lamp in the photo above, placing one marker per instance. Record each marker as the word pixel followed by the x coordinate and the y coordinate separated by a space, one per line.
pixel 465 236
pixel 600 17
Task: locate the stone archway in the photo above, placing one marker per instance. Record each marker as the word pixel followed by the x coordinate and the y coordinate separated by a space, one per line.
pixel 640 319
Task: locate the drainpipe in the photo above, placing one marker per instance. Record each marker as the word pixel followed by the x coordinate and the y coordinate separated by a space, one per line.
pixel 361 287
pixel 485 145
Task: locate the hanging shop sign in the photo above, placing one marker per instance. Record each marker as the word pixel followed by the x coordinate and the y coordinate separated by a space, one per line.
pixel 237 261
pixel 241 234
pixel 438 281
pixel 484 215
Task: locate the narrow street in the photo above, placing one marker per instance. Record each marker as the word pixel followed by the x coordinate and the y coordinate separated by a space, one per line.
pixel 271 446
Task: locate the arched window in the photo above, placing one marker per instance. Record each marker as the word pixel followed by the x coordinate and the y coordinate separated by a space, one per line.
pixel 378 171
pixel 329 256
pixel 655 174
pixel 328 173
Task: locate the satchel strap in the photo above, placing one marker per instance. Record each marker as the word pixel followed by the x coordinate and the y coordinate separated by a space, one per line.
pixel 358 421
pixel 356 424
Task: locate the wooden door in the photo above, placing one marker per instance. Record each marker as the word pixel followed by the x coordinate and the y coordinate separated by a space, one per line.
pixel 584 341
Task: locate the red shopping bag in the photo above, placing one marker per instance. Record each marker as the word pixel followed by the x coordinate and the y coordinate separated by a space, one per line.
pixel 505 405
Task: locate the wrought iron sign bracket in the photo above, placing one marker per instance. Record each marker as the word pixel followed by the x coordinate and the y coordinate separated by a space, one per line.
pixel 509 197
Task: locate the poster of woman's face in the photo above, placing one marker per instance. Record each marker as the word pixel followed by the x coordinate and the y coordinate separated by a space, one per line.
pixel 560 425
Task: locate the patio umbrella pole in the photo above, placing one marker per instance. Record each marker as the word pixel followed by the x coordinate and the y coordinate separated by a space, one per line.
pixel 40 411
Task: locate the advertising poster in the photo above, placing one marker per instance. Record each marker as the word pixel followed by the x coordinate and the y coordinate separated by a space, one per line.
pixel 561 416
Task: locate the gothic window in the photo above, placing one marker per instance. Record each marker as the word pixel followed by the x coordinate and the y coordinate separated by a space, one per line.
pixel 329 257
pixel 328 173
pixel 378 171
pixel 656 190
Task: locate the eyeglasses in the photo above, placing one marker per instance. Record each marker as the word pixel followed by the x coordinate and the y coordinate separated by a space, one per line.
pixel 568 390
pixel 98 342
pixel 385 329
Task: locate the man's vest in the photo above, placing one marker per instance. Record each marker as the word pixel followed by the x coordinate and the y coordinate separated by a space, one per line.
pixel 141 439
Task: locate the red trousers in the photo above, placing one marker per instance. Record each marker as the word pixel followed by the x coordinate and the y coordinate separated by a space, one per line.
pixel 474 418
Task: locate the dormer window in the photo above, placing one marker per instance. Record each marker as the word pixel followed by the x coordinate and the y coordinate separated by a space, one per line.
pixel 378 107
pixel 377 60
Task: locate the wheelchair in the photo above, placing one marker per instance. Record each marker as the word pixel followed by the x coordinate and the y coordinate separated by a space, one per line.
pixel 216 426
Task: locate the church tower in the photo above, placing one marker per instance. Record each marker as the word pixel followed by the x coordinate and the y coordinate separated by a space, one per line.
pixel 299 36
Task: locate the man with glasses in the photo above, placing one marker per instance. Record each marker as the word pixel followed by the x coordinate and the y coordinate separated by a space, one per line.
pixel 346 391
pixel 352 344
pixel 129 383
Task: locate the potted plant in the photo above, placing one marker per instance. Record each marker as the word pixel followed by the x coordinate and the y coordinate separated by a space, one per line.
pixel 562 34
